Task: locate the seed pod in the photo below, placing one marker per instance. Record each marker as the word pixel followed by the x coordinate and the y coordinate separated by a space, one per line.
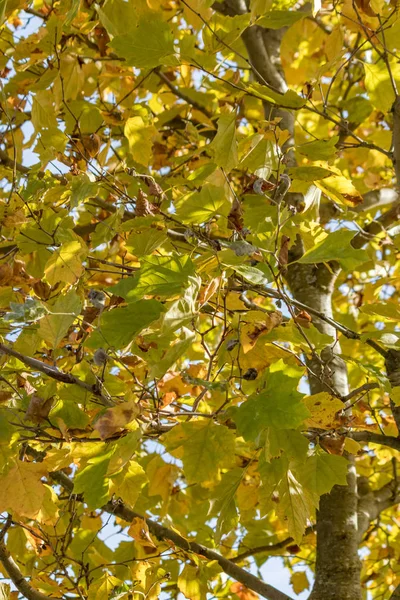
pixel 100 357
pixel 97 298
pixel 250 374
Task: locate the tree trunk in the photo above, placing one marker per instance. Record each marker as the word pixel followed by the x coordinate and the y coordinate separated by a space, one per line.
pixel 337 569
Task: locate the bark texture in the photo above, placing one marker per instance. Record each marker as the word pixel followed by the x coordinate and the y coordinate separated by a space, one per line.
pixel 337 569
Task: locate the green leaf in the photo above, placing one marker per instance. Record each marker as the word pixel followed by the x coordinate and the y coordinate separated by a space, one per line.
pixel 289 442
pixel 319 149
pixel 308 173
pixel 70 413
pixel 279 406
pixel 200 207
pixel 276 19
pixel 175 351
pixel 388 310
pixel 150 44
pixel 287 100
pixel 43 114
pixel 127 484
pixel 223 503
pixel 191 584
pixel 205 448
pixel 320 472
pixel 144 243
pixel 118 327
pixel 158 276
pixel 251 274
pixel 336 246
pixel 64 311
pixel 224 145
pixel 91 481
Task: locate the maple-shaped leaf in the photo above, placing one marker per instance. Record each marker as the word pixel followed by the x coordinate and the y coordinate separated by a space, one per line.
pixel 278 406
pixel 21 489
pixel 204 447
pixel 91 480
pixel 151 43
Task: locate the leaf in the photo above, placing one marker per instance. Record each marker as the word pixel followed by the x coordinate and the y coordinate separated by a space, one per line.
pixel 140 138
pixel 340 189
pixel 128 483
pixel 158 276
pixel 276 19
pixel 139 531
pixel 5 589
pixel 91 480
pixel 288 100
pixel 63 313
pixel 65 264
pixel 223 502
pixel 118 327
pixel 43 115
pixel 388 310
pixel 21 490
pixel 116 418
pixel 103 587
pixel 319 149
pixel 378 83
pixel 288 442
pixel 336 246
pixel 323 408
pixel 224 145
pixel 321 472
pixel 251 274
pixel 294 504
pixel 299 582
pixel 279 405
pixel 151 43
pixel 192 586
pixel 308 173
pixel 200 207
pixel 211 447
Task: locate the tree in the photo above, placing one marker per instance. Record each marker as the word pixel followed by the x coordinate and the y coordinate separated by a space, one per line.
pixel 199 298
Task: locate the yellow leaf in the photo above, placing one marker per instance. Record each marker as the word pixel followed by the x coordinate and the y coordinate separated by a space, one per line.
pixel 140 138
pixel 299 582
pixel 323 408
pixel 21 491
pixel 65 264
pixel 139 531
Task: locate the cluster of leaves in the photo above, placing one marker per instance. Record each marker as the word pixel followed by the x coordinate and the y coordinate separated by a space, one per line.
pixel 150 350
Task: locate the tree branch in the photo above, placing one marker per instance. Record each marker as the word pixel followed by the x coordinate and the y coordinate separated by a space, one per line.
pixel 54 373
pixel 396 138
pixel 177 92
pixel 396 594
pixel 375 438
pixel 121 510
pixel 17 578
pixel 268 547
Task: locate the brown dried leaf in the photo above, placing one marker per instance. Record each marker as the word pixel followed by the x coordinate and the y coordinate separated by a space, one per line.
pixel 6 274
pixel 116 418
pixel 143 206
pixel 283 256
pixel 38 409
pixel 235 217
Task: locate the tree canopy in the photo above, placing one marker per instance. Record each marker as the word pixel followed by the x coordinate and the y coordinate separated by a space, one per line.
pixel 188 186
